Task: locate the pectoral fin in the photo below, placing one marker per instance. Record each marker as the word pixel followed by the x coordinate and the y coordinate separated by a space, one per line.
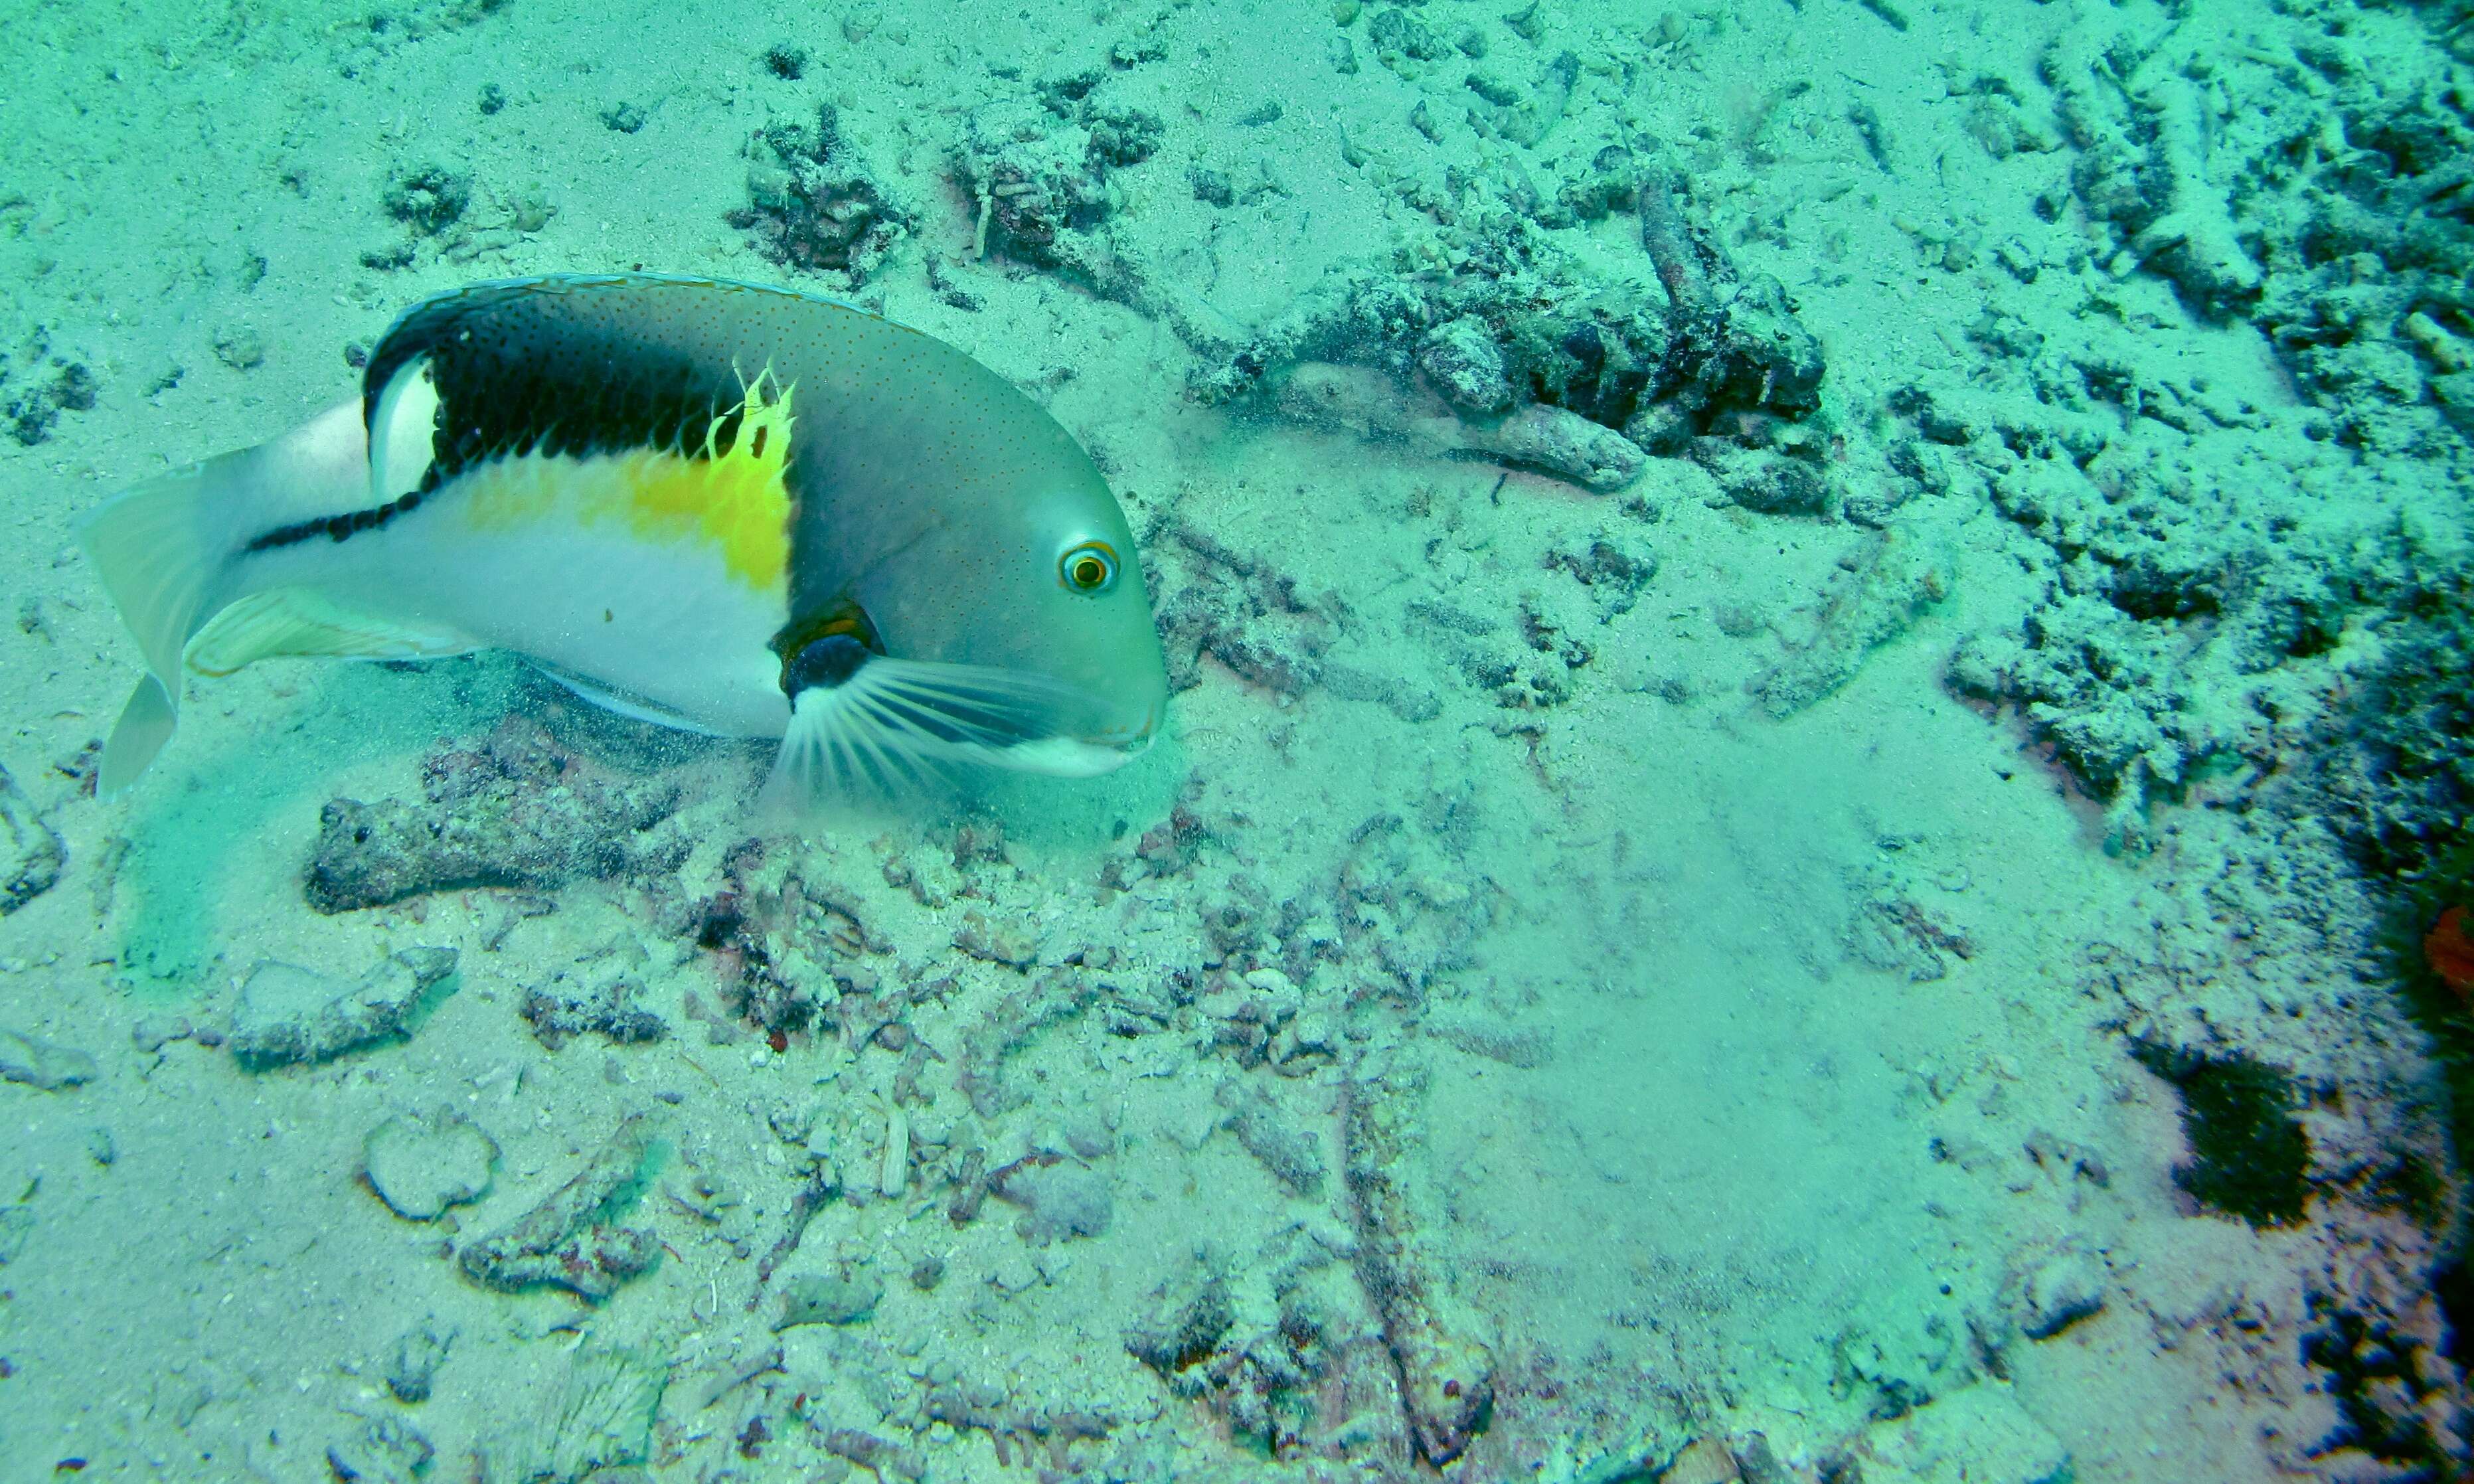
pixel 892 726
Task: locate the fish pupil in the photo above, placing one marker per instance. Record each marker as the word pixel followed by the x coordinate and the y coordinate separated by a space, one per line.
pixel 827 662
pixel 1088 571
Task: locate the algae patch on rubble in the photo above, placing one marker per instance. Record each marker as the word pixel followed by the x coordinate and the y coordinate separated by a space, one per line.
pixel 2249 1156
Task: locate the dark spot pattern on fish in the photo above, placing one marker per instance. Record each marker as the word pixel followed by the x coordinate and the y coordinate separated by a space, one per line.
pixel 493 407
pixel 337 528
pixel 518 374
pixel 541 391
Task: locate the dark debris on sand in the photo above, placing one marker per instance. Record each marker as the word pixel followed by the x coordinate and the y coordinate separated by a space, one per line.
pixel 561 1011
pixel 573 1239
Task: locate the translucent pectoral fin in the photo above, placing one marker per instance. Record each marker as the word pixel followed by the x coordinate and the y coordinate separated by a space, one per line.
pixel 900 726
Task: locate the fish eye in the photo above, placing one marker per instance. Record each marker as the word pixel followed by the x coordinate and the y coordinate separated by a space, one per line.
pixel 1088 566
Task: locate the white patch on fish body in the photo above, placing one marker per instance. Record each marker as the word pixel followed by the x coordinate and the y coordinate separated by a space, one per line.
pixel 662 619
pixel 402 431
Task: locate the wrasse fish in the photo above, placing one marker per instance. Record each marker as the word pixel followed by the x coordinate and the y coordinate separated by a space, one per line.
pixel 723 507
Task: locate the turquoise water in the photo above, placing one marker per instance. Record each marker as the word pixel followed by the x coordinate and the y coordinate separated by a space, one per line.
pixel 1811 822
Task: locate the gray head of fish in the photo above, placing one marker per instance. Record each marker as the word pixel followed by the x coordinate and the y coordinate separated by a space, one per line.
pixel 976 531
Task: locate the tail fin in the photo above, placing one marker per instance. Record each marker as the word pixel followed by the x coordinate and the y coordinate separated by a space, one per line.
pixel 169 550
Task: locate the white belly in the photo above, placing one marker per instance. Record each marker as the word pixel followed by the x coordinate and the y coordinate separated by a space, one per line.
pixel 663 620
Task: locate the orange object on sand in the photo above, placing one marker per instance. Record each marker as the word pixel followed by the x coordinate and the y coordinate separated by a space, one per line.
pixel 2450 952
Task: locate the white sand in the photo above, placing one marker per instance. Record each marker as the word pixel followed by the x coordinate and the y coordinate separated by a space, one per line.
pixel 1800 1002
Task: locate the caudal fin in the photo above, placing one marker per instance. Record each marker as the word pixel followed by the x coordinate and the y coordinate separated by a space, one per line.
pixel 146 723
pixel 162 560
pixel 170 552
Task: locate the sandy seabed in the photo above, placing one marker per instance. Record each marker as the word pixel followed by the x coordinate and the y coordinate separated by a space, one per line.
pixel 1692 923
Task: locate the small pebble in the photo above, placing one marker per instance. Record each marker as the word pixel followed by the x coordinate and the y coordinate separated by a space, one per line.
pixel 845 1296
pixel 1013 1272
pixel 420 1164
pixel 2058 1292
pixel 150 1035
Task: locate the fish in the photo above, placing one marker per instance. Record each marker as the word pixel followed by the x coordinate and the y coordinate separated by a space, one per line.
pixel 720 506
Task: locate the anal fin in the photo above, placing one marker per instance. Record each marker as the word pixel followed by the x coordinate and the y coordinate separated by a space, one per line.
pixel 305 621
pixel 634 708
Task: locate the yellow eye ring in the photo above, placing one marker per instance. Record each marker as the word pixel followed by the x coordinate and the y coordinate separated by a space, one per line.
pixel 1088 566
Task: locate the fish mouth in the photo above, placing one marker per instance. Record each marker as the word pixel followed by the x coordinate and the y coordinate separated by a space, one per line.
pixel 1127 743
pixel 1087 755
